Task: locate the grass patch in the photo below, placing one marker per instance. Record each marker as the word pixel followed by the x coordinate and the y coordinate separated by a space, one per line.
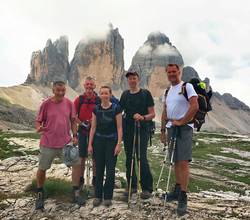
pixel 8 149
pixel 54 188
pixel 4 101
pixel 197 185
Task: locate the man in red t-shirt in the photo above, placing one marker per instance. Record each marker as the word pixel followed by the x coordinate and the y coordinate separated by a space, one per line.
pixel 84 105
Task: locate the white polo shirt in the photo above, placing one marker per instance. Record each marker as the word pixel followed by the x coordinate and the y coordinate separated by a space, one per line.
pixel 176 104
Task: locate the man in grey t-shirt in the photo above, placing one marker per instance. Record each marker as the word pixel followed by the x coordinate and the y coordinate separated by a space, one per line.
pixel 178 113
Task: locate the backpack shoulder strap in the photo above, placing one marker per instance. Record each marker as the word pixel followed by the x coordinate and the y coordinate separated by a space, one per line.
pixel 166 93
pixel 184 90
pixel 81 99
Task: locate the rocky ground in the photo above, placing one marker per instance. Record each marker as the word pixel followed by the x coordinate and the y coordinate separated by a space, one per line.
pixel 222 197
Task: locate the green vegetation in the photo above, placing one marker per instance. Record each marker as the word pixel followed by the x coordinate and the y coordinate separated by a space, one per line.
pixel 8 149
pixel 54 188
pixel 203 161
pixel 4 101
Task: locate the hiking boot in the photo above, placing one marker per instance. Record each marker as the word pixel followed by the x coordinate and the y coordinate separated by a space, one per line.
pixel 81 183
pixel 173 196
pixel 93 181
pixel 107 202
pixel 77 198
pixel 97 202
pixel 182 203
pixel 40 200
pixel 145 194
pixel 133 190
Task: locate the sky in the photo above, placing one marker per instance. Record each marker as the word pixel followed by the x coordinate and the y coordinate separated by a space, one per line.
pixel 212 35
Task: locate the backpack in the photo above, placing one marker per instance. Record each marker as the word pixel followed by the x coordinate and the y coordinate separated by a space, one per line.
pixel 203 101
pixel 83 100
pixel 97 101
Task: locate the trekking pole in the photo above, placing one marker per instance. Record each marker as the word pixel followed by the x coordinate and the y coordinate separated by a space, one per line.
pixel 173 143
pixel 132 165
pixel 87 171
pixel 162 168
pixel 139 163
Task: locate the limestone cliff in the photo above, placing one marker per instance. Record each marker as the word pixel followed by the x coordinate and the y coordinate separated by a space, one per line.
pixel 151 60
pixel 51 64
pixel 100 58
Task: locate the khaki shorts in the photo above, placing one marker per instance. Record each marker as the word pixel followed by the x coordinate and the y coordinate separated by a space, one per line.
pixel 47 155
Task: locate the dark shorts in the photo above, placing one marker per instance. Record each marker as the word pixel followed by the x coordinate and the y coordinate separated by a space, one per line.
pixel 183 149
pixel 83 145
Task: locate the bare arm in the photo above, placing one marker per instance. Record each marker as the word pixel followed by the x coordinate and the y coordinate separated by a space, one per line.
pixel 119 127
pixel 119 132
pixel 74 126
pixel 164 119
pixel 151 114
pixel 92 130
pixel 193 108
pixel 39 126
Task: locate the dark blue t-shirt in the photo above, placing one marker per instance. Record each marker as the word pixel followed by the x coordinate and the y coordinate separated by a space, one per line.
pixel 106 119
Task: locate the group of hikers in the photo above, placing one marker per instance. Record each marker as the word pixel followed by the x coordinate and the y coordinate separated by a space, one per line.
pixel 99 123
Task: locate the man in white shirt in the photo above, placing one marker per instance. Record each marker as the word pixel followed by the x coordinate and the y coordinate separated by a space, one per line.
pixel 180 106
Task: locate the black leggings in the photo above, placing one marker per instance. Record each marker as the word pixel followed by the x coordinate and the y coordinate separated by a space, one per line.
pixel 104 157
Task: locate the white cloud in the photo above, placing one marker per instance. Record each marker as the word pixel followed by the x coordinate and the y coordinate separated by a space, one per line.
pixel 212 35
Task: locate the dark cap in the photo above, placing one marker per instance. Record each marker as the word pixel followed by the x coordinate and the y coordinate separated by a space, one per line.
pixel 131 73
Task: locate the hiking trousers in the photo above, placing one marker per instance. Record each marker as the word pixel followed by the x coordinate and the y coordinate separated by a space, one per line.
pixel 104 148
pixel 146 176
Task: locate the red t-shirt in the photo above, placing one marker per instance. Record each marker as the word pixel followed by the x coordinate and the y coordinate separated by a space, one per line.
pixel 87 107
pixel 56 119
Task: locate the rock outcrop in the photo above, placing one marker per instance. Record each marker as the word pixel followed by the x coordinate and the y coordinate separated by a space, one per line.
pixel 18 203
pixel 232 102
pixel 151 60
pixel 188 73
pixel 15 116
pixel 100 58
pixel 51 64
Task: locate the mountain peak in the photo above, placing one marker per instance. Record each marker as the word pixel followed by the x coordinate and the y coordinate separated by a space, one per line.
pixel 157 38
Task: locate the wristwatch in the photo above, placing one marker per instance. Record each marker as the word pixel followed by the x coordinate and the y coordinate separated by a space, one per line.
pixel 74 135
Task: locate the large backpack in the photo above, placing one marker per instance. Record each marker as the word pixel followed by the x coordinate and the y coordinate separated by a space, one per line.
pixel 203 101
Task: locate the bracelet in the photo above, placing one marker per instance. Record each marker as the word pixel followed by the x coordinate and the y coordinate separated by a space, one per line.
pixel 144 118
pixel 74 135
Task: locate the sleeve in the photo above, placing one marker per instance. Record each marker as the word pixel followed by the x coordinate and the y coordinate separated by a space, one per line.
pixel 72 110
pixel 190 90
pixel 118 110
pixel 41 113
pixel 150 100
pixel 76 104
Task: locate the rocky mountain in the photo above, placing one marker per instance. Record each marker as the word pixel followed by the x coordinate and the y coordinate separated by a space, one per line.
pixel 51 64
pixel 228 115
pixel 101 58
pixel 151 60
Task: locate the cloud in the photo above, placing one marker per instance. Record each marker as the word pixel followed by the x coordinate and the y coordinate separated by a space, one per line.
pixel 145 49
pixel 166 49
pixel 212 37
